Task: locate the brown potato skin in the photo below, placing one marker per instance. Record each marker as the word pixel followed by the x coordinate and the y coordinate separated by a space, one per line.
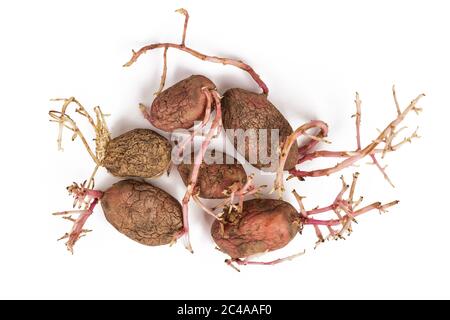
pixel 138 153
pixel 265 225
pixel 214 179
pixel 142 212
pixel 180 105
pixel 245 110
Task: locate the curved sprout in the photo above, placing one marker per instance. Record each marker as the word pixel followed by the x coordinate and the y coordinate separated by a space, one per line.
pixel 182 46
pixel 385 138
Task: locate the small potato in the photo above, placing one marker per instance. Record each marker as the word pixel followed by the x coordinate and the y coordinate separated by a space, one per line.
pixel 265 225
pixel 142 212
pixel 214 178
pixel 138 153
pixel 180 105
pixel 245 110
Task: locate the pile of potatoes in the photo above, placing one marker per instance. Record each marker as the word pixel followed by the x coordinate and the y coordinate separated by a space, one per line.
pixel 242 227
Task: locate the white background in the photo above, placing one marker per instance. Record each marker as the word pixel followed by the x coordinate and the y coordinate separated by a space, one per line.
pixel 313 56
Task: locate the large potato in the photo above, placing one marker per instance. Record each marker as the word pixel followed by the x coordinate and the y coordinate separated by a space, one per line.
pixel 265 225
pixel 180 105
pixel 246 110
pixel 142 212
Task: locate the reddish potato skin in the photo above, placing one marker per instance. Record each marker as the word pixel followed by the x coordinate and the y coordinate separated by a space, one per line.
pixel 245 110
pixel 138 153
pixel 142 212
pixel 265 225
pixel 180 105
pixel 214 179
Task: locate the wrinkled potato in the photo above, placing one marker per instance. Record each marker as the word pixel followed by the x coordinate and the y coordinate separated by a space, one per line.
pixel 142 212
pixel 138 153
pixel 214 178
pixel 264 225
pixel 180 105
pixel 245 110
